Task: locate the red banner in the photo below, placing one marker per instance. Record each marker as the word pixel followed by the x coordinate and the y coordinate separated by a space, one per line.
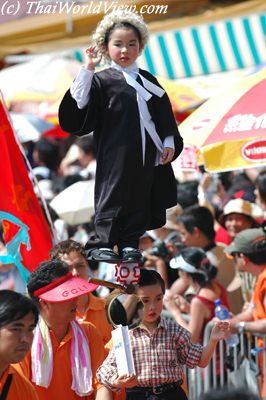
pixel 26 233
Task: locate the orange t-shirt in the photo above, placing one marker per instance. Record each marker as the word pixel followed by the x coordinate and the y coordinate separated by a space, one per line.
pixel 60 385
pixel 96 315
pixel 258 297
pixel 259 313
pixel 20 387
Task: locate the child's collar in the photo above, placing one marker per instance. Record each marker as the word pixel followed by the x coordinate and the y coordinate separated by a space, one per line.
pixel 131 68
pixel 162 323
pixel 144 93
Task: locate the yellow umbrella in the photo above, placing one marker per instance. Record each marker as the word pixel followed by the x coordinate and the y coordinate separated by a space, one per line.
pixel 182 97
pixel 230 128
pixel 42 79
pixel 51 111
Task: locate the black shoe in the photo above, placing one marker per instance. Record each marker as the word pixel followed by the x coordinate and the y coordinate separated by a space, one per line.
pixel 132 256
pixel 105 255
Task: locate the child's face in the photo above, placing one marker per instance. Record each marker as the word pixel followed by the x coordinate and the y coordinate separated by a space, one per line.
pixel 124 47
pixel 152 299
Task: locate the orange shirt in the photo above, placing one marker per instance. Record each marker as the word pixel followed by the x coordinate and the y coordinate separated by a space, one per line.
pixel 20 387
pixel 258 297
pixel 60 385
pixel 259 313
pixel 95 314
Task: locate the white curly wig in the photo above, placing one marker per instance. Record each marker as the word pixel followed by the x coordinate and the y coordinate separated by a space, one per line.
pixel 116 17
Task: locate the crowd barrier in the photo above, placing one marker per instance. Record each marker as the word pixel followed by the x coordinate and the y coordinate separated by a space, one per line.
pixel 241 366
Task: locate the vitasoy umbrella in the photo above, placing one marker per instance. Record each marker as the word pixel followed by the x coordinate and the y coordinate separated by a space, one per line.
pixel 230 128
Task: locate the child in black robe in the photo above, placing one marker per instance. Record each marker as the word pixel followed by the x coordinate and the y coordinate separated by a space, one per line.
pixel 135 134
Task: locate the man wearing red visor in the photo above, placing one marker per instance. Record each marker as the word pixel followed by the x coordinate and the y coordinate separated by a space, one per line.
pixel 65 354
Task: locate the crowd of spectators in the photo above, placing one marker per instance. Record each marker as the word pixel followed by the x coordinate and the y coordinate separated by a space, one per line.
pixel 211 214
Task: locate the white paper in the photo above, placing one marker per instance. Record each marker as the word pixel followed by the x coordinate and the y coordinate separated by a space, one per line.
pixel 123 351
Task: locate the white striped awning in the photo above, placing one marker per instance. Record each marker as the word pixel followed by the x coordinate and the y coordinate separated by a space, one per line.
pixel 207 48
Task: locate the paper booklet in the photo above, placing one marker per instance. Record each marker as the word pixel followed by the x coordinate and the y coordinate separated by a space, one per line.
pixel 123 351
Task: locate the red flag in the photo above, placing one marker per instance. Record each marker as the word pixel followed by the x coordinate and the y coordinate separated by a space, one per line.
pixel 26 232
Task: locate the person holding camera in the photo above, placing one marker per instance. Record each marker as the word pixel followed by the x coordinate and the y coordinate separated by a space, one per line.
pixel 157 257
pixel 165 246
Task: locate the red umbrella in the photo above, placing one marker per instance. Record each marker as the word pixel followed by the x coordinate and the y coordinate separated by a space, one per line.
pixel 56 133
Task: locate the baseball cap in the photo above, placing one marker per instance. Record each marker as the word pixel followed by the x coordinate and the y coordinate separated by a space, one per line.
pixel 65 288
pixel 248 241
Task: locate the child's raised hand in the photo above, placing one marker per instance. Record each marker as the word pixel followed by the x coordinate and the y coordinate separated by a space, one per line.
pixel 220 331
pixel 168 154
pixel 93 57
pixel 125 381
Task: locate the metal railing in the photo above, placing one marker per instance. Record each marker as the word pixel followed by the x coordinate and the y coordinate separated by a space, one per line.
pixel 241 366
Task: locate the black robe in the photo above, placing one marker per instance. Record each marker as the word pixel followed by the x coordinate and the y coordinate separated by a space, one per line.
pixel 123 184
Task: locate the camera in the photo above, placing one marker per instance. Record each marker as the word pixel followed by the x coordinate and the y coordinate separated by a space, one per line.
pixel 159 249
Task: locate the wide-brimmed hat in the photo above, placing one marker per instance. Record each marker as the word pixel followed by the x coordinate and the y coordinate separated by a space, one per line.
pixel 248 241
pixel 171 216
pixel 65 288
pixel 238 206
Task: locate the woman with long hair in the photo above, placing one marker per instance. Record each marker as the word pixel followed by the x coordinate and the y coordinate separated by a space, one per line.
pixel 195 268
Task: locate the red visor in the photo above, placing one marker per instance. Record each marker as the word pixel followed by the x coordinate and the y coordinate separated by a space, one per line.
pixel 65 288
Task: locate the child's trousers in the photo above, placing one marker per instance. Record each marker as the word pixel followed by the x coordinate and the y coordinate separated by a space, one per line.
pixel 142 394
